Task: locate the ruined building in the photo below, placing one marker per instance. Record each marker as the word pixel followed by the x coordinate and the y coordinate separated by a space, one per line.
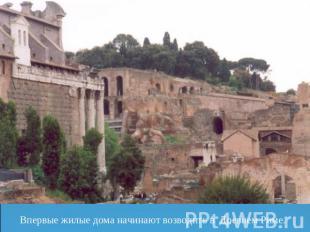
pixel 34 72
pixel 189 131
pixel 262 137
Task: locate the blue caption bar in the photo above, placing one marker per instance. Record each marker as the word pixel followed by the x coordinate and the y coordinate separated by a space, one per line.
pixel 105 217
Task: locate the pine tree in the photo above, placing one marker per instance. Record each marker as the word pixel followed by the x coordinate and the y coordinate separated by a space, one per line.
pixel 174 45
pixel 8 134
pixel 52 147
pixel 166 40
pixel 29 145
pixel 146 42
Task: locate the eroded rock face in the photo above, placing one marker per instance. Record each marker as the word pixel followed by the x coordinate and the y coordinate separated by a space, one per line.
pixel 150 128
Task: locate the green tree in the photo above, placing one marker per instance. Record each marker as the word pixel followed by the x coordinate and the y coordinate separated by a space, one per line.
pixel 78 176
pixel 92 139
pixel 29 145
pixel 146 42
pixel 254 64
pixel 223 71
pixel 291 92
pixel 166 40
pixel 52 148
pixel 234 190
pixel 175 46
pixel 123 43
pixel 127 165
pixel 8 134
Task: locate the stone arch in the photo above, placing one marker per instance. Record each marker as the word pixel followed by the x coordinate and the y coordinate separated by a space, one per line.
pixel 106 86
pixel 118 108
pixel 191 90
pixel 171 87
pixel 269 151
pixel 106 107
pixel 218 125
pixel 183 90
pixel 119 86
pixel 158 87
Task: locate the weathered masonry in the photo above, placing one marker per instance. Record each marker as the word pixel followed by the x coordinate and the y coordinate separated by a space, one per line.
pixel 33 72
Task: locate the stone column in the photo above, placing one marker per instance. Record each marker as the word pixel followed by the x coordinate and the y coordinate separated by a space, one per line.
pixel 82 113
pixel 100 127
pixel 91 114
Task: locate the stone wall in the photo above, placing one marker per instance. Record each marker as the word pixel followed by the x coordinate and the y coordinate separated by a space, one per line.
pixel 162 161
pixel 5 77
pixel 301 129
pixel 278 115
pixel 46 99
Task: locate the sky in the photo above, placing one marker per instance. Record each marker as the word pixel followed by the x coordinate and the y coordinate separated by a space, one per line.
pixel 273 30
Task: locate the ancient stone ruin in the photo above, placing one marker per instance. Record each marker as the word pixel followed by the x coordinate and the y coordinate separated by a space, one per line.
pixel 189 131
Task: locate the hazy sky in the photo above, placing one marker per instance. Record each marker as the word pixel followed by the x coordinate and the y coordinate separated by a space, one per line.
pixel 274 30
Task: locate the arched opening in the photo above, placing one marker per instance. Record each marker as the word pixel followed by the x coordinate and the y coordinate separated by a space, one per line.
pixel 106 107
pixel 183 90
pixel 119 108
pixel 218 126
pixel 269 151
pixel 191 90
pixel 157 87
pixel 171 88
pixel 119 86
pixel 106 86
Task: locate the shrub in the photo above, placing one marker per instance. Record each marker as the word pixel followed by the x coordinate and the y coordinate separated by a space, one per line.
pixel 78 174
pixel 38 174
pixel 92 139
pixel 234 190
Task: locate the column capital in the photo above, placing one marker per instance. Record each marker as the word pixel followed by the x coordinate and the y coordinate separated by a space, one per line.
pixel 92 93
pixel 82 92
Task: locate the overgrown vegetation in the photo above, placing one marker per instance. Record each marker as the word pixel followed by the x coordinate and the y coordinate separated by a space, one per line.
pixel 234 190
pixel 112 145
pixel 194 60
pixel 69 174
pixel 8 134
pixel 173 139
pixel 127 165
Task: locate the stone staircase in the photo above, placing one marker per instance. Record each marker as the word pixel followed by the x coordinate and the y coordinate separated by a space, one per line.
pixel 115 124
pixel 132 120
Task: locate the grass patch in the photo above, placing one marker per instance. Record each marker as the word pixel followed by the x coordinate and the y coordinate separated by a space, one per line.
pixel 173 139
pixel 59 195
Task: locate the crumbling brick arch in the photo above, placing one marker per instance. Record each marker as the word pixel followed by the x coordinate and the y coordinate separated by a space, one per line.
pixel 119 86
